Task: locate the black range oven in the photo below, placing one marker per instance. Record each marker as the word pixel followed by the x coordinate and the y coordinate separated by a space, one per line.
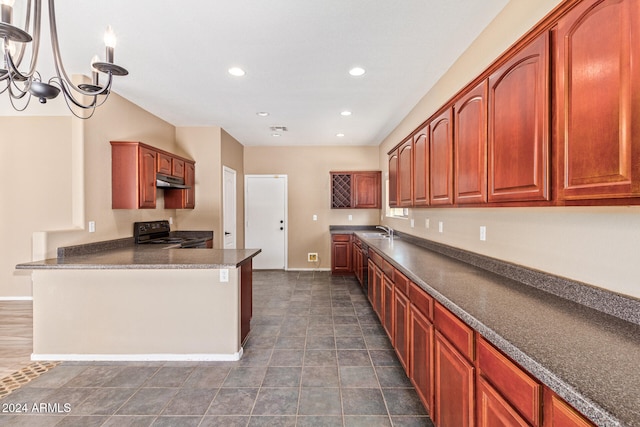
pixel 159 233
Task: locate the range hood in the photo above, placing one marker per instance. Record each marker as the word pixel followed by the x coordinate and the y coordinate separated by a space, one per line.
pixel 166 181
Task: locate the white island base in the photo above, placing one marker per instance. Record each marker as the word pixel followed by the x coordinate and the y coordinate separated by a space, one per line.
pixel 137 314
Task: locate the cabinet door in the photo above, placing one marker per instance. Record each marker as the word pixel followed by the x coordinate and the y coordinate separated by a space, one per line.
pixel 393 179
pixel 493 410
pixel 387 303
pixel 518 126
pixel 421 167
pixel 365 187
pixel 421 355
pixel 471 146
pixel 147 178
pixel 598 101
pixel 341 254
pixel 371 272
pixel 190 180
pixel 454 394
pixel 405 173
pixel 164 163
pixel 441 159
pixel 558 413
pixel 378 293
pixel 401 327
pixel 177 167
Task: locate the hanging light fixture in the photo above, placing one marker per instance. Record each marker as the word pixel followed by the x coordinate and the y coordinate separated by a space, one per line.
pixel 22 82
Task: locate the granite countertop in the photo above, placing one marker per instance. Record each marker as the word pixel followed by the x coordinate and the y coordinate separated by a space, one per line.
pixel 590 358
pixel 147 257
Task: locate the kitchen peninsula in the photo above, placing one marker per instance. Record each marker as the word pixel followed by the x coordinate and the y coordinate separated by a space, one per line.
pixel 131 302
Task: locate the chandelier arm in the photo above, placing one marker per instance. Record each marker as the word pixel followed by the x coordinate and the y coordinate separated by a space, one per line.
pixel 27 25
pixel 68 95
pixel 57 59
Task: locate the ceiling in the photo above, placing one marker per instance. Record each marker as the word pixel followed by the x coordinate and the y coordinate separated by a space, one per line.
pixel 296 54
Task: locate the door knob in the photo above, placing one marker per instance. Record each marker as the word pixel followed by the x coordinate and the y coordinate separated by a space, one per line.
pixel 226 233
pixel 281 228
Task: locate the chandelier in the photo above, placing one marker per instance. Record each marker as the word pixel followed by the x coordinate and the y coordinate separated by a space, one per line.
pixel 24 82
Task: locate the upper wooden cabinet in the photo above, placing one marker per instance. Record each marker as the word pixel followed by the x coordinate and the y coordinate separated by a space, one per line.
pixel 405 173
pixel 421 167
pixel 356 190
pixel 134 166
pixel 470 141
pixel 597 82
pixel 519 126
pixel 441 159
pixel 133 176
pixel 393 179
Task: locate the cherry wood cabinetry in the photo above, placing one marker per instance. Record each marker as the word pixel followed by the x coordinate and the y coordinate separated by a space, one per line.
pixel 401 326
pixel 421 167
pixel 421 344
pixel 519 126
pixel 441 159
pixel 133 176
pixel 356 190
pixel 341 254
pixel 558 413
pixel 598 101
pixel 493 409
pixel 518 392
pixel 470 142
pixel 393 179
pixel 134 166
pixel 388 303
pixel 405 173
pixel 359 266
pixel 182 198
pixel 453 370
pixel 246 303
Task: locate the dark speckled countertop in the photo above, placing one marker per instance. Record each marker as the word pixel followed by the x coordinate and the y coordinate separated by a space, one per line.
pixel 590 358
pixel 147 257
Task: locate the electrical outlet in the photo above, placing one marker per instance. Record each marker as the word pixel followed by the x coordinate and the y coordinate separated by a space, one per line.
pixel 440 226
pixel 350 217
pixel 224 275
pixel 426 223
pixel 92 226
pixel 315 217
pixel 312 257
pixel 483 233
pixel 413 223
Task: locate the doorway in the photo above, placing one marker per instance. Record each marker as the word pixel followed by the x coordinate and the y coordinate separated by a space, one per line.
pixel 266 220
pixel 229 207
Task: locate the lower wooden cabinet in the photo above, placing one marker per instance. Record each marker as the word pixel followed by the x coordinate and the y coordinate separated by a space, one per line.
pixel 453 384
pixel 387 304
pixel 558 413
pixel 493 409
pixel 341 254
pixel 421 355
pixel 401 327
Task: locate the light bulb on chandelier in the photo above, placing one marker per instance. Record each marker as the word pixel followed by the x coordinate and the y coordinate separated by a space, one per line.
pixel 26 83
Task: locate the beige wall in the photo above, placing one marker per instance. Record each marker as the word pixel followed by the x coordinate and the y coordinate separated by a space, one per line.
pixel 36 193
pixel 309 193
pixel 595 245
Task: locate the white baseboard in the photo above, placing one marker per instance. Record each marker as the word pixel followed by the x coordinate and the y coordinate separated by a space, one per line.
pixel 308 269
pixel 139 357
pixel 25 298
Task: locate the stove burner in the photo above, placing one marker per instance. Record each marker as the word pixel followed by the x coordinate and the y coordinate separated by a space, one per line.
pixel 158 232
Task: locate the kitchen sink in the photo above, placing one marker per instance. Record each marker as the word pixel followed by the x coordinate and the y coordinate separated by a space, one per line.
pixel 375 235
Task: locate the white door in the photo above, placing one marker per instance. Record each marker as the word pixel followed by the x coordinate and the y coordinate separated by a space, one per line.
pixel 229 207
pixel 266 220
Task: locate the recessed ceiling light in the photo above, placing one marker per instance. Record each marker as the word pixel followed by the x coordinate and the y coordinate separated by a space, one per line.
pixel 357 71
pixel 237 71
pixel 262 113
pixel 339 135
pixel 345 113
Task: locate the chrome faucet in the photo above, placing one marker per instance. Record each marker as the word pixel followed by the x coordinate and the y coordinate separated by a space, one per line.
pixel 389 230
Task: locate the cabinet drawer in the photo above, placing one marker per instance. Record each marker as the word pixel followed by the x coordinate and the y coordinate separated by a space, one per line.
pixel 388 270
pixel 377 259
pixel 401 282
pixel 341 237
pixel 456 331
pixel 422 300
pixel 521 391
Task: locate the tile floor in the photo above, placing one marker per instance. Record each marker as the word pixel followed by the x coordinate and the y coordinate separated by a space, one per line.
pixel 316 356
